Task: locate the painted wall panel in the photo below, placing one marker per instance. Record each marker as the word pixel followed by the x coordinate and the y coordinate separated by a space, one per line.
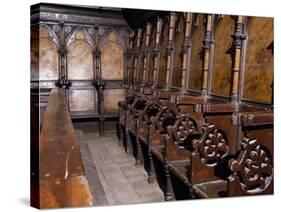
pixel 258 76
pixel 196 54
pixel 80 61
pixel 222 61
pixel 82 100
pixel 112 62
pixel 112 97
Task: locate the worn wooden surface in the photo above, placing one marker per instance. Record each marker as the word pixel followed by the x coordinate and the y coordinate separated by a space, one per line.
pixel 112 59
pixel 222 62
pixel 178 53
pixel 196 53
pixel 62 179
pixel 163 53
pixel 258 78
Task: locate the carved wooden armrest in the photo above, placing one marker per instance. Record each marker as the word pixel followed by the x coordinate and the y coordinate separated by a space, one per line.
pixel 253 169
pixel 212 146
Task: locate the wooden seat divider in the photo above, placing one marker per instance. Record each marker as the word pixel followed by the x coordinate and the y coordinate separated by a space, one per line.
pixel 62 178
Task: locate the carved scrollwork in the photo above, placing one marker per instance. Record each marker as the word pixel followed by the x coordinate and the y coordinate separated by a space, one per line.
pixel 164 118
pixel 211 146
pixel 151 110
pixel 184 127
pixel 253 167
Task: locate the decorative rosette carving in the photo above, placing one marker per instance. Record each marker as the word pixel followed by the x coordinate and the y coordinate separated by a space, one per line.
pixel 184 127
pixel 211 146
pixel 253 167
pixel 165 118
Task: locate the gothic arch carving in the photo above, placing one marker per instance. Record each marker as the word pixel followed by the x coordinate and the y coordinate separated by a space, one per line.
pixel 88 38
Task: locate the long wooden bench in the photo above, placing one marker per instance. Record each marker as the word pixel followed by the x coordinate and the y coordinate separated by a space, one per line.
pixel 62 178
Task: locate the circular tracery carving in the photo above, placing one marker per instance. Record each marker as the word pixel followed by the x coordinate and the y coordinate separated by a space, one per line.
pixel 212 146
pixel 253 166
pixel 185 126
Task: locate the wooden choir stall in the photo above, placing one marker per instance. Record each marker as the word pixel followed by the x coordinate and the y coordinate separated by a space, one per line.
pixel 190 96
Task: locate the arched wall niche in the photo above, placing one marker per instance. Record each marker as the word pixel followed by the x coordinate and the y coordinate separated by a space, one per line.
pixel 80 55
pixel 44 54
pixel 112 49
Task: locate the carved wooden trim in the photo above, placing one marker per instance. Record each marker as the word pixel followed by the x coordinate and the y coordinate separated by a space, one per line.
pixel 184 127
pixel 212 146
pixel 253 167
pixel 87 35
pixel 166 117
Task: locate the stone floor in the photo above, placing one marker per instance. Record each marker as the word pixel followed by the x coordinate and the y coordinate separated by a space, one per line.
pixel 121 182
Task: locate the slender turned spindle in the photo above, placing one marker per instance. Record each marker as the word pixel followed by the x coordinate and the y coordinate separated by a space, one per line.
pixel 238 36
pixel 206 48
pixel 168 82
pixel 186 48
pixel 169 194
pixel 157 52
pixel 151 171
pixel 145 53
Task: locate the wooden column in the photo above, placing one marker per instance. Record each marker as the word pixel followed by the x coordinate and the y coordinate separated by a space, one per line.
pixel 206 49
pixel 145 54
pixel 168 82
pixel 238 37
pixel 157 52
pixel 186 51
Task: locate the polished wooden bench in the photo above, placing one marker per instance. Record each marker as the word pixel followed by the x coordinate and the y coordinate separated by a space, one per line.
pixel 61 175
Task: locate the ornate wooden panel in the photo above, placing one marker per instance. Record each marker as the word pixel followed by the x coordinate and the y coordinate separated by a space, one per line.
pixel 45 53
pixel 112 97
pixel 258 75
pixel 82 100
pixel 80 60
pixel 222 61
pixel 177 65
pixel 196 53
pixel 112 59
pixel 151 49
pixel 163 53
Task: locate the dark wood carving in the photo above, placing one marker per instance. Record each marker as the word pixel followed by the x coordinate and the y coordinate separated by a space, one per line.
pixel 253 169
